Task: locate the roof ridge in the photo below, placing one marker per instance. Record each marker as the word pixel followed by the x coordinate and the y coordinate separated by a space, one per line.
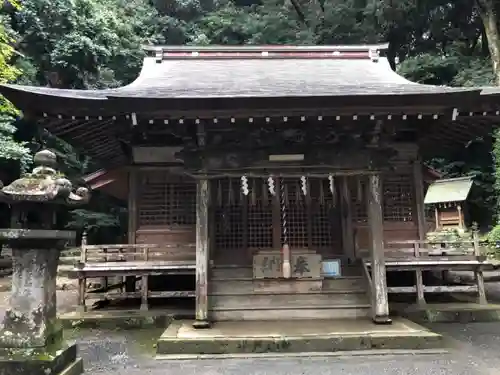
pixel 269 47
pixel 362 51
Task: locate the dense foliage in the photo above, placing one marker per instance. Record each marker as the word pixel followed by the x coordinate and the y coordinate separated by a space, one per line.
pixel 96 43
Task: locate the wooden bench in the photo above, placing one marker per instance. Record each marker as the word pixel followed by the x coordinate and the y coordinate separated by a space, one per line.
pixel 137 261
pixel 434 256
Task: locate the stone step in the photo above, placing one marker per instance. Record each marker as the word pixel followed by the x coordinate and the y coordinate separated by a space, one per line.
pixel 331 311
pixel 248 285
pixel 291 300
pixel 281 337
pixel 230 272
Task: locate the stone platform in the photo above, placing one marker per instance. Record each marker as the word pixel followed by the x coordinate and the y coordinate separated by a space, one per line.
pixel 123 318
pixel 182 341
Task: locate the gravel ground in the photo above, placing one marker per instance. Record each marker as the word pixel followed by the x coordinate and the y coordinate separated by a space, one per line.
pixel 473 350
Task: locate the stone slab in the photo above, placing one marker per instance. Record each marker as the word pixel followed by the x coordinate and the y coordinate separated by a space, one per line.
pixel 307 336
pixel 42 362
pixel 305 264
pixel 124 319
pixel 453 313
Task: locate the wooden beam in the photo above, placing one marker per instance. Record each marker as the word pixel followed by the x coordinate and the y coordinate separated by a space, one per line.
pixel 347 227
pixel 380 301
pixel 202 253
pixel 418 184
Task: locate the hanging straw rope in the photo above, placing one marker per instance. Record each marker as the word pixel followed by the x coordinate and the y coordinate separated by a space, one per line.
pixel 283 212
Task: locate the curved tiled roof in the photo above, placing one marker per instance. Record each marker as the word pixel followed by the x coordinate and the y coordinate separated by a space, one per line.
pixel 258 71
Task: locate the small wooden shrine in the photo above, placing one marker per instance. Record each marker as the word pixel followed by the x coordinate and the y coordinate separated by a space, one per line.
pixel 272 170
pixel 448 198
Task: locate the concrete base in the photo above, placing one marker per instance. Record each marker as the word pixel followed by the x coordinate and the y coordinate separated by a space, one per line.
pixel 33 362
pixel 181 340
pixel 453 313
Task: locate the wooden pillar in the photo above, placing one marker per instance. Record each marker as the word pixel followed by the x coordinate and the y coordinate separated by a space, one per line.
pixel 380 301
pixel 202 252
pixel 132 205
pixel 461 224
pixel 478 272
pixel 436 216
pixel 347 227
pixel 418 183
pixel 132 221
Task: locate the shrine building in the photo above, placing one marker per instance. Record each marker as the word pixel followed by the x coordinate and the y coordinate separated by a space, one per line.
pixel 269 171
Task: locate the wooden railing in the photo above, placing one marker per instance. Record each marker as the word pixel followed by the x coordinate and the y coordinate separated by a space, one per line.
pixel 434 256
pixel 132 261
pixel 131 252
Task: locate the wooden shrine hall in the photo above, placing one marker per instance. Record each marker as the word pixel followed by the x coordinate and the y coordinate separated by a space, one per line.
pixel 268 172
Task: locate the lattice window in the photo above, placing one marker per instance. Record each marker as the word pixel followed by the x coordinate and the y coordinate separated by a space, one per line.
pixel 228 205
pixel 358 200
pixel 317 225
pixel 260 215
pixel 166 199
pixel 398 197
pixel 325 214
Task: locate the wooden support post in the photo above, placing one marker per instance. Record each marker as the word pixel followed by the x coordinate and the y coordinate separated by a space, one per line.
pixel 436 216
pixel 419 282
pixel 380 300
pixel 418 183
pixel 478 272
pixel 460 217
pixel 347 227
pixel 202 253
pixel 82 290
pixel 144 292
pixel 82 280
pixel 130 282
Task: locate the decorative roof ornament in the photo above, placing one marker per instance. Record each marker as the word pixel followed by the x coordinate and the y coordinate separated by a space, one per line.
pixel 44 184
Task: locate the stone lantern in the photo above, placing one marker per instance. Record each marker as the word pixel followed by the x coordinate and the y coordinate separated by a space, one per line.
pixel 31 340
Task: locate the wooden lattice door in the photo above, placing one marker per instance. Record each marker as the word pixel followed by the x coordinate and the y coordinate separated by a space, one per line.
pixel 245 224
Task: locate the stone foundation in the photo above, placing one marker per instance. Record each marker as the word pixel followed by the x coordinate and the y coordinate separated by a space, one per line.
pixel 40 362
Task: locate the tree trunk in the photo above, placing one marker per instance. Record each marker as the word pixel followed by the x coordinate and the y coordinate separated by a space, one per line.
pixel 488 15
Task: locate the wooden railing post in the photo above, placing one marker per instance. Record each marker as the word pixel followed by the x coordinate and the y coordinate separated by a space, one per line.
pixel 478 272
pixel 202 253
pixel 380 300
pixel 82 280
pixel 419 283
pixel 418 182
pixel 83 248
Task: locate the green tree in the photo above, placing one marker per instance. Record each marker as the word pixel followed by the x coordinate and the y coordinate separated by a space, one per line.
pixel 10 149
